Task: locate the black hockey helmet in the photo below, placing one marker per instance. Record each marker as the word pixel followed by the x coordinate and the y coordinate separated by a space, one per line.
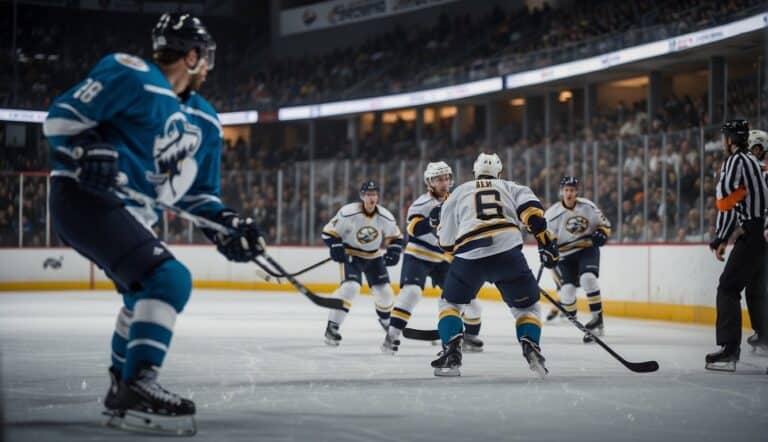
pixel 569 181
pixel 738 130
pixel 369 186
pixel 181 31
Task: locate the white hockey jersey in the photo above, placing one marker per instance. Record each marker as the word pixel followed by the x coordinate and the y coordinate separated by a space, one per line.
pixel 574 227
pixel 361 234
pixel 423 245
pixel 484 217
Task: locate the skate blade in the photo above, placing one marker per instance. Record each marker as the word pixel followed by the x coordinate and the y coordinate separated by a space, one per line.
pixel 388 351
pixel 471 349
pixel 729 367
pixel 331 342
pixel 137 422
pixel 447 372
pixel 539 368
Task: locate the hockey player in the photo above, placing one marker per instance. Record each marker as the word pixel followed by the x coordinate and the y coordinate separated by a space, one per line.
pixel 480 225
pixel 126 118
pixel 581 229
pixel 355 237
pixel 758 145
pixel 424 257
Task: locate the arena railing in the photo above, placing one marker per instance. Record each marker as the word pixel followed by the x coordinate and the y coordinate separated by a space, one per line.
pixel 652 188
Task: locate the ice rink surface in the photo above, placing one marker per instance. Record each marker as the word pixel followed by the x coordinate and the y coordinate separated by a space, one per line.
pixel 258 370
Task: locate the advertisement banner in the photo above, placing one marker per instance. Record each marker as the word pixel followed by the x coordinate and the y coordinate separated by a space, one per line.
pixel 341 12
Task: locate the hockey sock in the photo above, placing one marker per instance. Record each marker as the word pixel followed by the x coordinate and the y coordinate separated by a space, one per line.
pixel 399 318
pixel 471 326
pixel 595 303
pixel 450 324
pixel 165 294
pixel 527 322
pixel 120 338
pixel 347 291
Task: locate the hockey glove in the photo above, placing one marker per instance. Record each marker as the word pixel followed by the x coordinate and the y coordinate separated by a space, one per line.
pixel 337 252
pixel 244 244
pixel 549 254
pixel 392 257
pixel 95 160
pixel 599 238
pixel 434 216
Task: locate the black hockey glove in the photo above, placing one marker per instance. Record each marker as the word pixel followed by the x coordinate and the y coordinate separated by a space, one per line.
pixel 95 160
pixel 434 216
pixel 599 238
pixel 337 252
pixel 549 254
pixel 392 257
pixel 244 244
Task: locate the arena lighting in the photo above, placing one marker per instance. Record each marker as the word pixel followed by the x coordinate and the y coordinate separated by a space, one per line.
pixel 636 53
pixel 397 101
pixel 29 116
pixel 518 80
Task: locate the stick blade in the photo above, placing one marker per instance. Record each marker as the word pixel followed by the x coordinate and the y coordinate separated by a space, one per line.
pixel 642 367
pixel 421 335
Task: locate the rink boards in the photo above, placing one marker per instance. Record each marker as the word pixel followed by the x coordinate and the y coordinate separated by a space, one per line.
pixel 662 282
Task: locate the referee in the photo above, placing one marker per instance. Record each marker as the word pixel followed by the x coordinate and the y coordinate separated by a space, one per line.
pixel 742 198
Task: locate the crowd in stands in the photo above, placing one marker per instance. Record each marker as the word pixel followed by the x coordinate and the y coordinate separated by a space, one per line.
pixel 452 49
pixel 665 195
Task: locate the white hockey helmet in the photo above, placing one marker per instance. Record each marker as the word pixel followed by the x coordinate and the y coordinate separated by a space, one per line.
pixel 435 170
pixel 487 164
pixel 758 137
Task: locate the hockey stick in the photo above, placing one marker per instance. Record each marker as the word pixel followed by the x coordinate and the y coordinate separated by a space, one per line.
pixel 199 221
pixel 299 272
pixel 637 367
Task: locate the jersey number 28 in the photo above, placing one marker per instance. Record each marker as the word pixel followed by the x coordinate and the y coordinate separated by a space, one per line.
pixel 487 204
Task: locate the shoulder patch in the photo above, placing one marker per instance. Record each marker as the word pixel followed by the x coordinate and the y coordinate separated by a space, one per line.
pixel 132 62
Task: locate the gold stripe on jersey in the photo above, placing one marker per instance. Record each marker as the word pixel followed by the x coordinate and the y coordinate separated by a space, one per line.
pixel 362 253
pixel 415 250
pixel 605 229
pixel 483 231
pixel 412 224
pixel 529 212
pixel 576 245
pixel 331 233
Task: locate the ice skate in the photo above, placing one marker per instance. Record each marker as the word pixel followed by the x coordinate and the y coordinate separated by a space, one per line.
pixel 595 326
pixel 472 344
pixel 332 335
pixel 724 359
pixel 757 342
pixel 532 354
pixel 448 360
pixel 390 345
pixel 143 406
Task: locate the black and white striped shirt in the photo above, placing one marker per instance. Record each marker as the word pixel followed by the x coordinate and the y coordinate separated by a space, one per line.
pixel 742 193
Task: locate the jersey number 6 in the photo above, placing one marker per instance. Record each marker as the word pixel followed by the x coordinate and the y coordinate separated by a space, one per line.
pixel 487 204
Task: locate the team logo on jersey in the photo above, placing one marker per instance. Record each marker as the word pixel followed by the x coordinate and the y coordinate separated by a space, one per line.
pixel 174 154
pixel 132 62
pixel 576 225
pixel 367 234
